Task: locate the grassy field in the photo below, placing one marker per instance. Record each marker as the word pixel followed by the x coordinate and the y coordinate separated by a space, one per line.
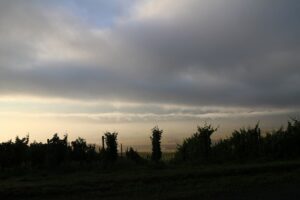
pixel 278 180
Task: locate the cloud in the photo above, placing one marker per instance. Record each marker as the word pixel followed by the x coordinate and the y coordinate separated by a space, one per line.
pixel 194 53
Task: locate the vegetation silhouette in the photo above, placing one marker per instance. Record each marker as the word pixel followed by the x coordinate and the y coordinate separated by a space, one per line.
pixel 111 150
pixel 244 145
pixel 37 154
pixel 133 155
pixel 250 145
pixel 79 150
pixel 57 150
pixel 156 141
pixel 196 148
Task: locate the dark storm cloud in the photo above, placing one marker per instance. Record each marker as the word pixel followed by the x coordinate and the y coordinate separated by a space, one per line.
pixel 225 53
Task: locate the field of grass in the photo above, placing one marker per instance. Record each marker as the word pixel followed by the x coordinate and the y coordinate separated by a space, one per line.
pixel 278 180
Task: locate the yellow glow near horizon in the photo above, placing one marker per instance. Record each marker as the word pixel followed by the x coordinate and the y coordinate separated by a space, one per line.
pixel 42 117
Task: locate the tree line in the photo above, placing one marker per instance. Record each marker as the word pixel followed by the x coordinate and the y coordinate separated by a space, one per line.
pixel 244 145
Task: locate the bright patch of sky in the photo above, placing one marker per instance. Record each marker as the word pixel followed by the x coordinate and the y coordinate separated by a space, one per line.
pixel 98 13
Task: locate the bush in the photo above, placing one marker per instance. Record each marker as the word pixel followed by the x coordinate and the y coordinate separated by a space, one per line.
pixel 156 140
pixel 133 155
pixel 57 150
pixel 79 150
pixel 111 151
pixel 14 154
pixel 37 154
pixel 197 148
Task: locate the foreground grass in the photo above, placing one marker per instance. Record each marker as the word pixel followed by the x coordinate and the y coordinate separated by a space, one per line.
pixel 278 180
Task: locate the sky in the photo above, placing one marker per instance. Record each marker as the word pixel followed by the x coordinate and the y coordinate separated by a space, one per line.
pixel 86 67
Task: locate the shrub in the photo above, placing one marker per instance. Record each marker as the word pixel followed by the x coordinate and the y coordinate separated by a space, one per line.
pixel 57 150
pixel 196 148
pixel 156 140
pixel 133 155
pixel 111 151
pixel 79 149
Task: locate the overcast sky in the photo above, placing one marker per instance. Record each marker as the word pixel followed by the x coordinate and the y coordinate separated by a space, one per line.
pixel 84 67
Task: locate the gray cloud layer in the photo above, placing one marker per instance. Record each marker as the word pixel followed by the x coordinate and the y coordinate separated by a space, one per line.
pixel 210 52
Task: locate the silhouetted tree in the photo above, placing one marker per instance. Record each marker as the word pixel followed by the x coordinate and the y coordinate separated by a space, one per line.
pixel 57 150
pixel 91 154
pixel 246 143
pixel 198 147
pixel 6 154
pixel 222 151
pixel 111 150
pixel 242 145
pixel 156 140
pixel 292 143
pixel 20 151
pixel 37 154
pixel 79 150
pixel 284 144
pixel 14 154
